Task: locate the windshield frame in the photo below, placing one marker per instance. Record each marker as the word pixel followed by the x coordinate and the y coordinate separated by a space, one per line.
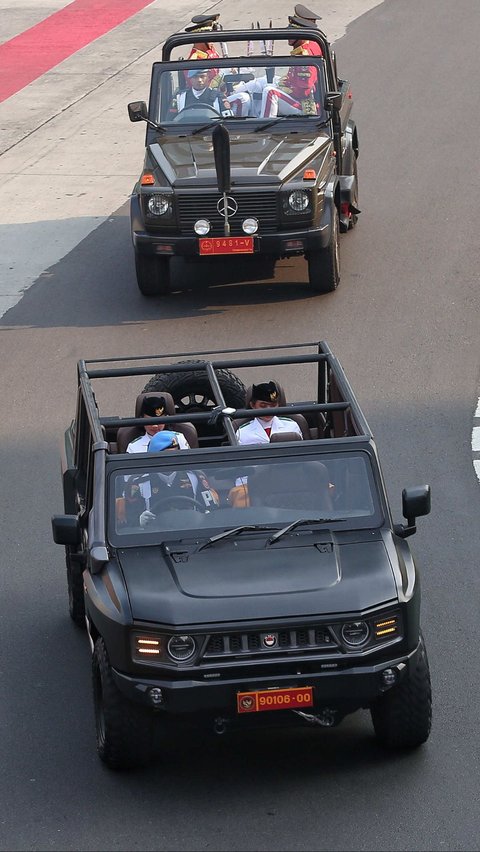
pixel 243 456
pixel 249 122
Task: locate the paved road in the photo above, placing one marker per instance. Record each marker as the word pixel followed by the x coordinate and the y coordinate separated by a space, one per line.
pixel 405 324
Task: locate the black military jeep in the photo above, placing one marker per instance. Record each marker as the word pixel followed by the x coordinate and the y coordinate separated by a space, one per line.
pixel 270 587
pixel 246 174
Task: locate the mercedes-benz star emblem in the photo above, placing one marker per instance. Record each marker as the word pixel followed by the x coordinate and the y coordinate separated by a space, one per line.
pixel 229 203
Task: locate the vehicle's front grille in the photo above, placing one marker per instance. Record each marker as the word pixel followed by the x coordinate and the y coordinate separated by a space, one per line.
pixel 260 205
pixel 263 644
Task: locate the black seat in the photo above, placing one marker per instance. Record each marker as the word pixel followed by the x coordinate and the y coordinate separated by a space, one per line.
pixel 126 434
pixel 278 437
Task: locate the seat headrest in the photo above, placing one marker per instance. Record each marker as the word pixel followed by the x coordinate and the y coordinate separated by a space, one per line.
pixel 284 436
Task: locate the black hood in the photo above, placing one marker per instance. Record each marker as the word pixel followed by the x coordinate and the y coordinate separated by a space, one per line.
pixel 228 583
pixel 186 161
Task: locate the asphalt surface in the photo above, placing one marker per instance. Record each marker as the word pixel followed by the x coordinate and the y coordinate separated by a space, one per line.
pixel 405 325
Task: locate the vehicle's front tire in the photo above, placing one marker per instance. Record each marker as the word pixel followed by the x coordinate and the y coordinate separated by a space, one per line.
pixel 402 717
pixel 153 274
pixel 324 265
pixel 76 599
pixel 125 731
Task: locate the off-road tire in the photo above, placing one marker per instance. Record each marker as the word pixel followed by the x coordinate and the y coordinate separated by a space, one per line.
pixel 125 731
pixel 153 274
pixel 76 599
pixel 402 717
pixel 324 265
pixel 191 390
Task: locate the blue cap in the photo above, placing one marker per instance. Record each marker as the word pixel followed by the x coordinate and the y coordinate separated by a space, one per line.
pixel 162 441
pixel 194 71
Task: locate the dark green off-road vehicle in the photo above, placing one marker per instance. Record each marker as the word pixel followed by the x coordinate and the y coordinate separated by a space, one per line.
pixel 267 169
pixel 270 587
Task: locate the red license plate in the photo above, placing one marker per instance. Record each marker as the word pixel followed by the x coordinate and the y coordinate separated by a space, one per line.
pixel 226 245
pixel 275 699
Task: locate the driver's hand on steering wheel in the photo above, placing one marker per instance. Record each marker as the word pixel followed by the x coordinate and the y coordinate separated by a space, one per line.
pixel 145 518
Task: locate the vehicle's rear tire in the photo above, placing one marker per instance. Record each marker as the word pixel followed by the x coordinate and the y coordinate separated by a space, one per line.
pixel 402 717
pixel 153 274
pixel 324 265
pixel 76 599
pixel 125 731
pixel 191 390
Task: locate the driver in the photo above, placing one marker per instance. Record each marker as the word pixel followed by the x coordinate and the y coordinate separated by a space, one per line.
pixel 200 92
pixel 169 487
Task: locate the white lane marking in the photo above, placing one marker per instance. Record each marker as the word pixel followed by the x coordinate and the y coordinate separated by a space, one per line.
pixel 476 441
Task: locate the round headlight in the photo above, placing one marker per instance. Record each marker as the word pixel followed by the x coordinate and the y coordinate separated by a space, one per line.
pixel 181 648
pixel 355 632
pixel 298 200
pixel 202 227
pixel 250 226
pixel 158 205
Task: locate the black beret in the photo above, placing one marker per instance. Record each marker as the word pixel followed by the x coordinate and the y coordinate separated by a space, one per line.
pixel 153 406
pixel 266 392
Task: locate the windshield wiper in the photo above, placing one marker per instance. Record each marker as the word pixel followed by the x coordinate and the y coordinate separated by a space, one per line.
pixel 272 122
pixel 232 532
pixel 276 536
pixel 204 126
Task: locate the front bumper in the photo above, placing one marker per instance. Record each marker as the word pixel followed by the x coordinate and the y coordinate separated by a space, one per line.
pixel 271 245
pixel 343 690
pixel 171 244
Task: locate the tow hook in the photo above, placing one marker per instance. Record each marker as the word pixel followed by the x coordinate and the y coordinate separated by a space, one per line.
pixel 220 725
pixel 326 718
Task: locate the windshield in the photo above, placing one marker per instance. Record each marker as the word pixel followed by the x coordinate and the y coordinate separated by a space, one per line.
pixel 153 504
pixel 201 95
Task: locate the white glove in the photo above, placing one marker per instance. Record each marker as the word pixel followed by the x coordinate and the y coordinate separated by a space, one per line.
pixel 146 517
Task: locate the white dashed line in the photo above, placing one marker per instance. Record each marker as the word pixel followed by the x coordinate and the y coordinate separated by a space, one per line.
pixel 476 441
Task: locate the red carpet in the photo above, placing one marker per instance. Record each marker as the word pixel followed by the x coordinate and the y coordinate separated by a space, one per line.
pixel 27 56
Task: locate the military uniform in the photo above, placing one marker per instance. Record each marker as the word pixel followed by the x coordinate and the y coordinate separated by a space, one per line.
pixel 293 94
pixel 207 96
pixel 254 431
pixel 140 445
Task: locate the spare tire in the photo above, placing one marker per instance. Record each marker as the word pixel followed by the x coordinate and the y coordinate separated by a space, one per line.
pixel 191 391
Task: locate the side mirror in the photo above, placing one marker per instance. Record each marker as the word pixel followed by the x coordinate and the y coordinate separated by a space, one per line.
pixel 416 501
pixel 66 530
pixel 333 100
pixel 137 111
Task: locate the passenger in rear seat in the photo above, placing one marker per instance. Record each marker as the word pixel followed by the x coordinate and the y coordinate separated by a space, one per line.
pixel 259 430
pixel 154 406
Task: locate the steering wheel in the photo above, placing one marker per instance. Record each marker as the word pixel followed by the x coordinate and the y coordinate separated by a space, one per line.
pixel 179 498
pixel 200 105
